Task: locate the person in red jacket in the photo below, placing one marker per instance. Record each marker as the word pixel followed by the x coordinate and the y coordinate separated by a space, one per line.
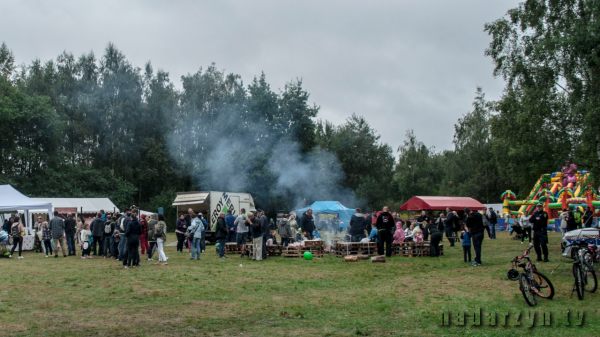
pixel 144 236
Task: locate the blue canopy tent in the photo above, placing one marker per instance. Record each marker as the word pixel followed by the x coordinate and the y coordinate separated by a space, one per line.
pixel 329 207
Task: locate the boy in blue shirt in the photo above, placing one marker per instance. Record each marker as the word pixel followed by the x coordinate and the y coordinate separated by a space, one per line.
pixel 316 234
pixel 466 245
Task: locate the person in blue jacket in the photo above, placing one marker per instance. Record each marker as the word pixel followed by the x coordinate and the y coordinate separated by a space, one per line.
pixel 316 234
pixel 231 227
pixel 466 244
pixel 203 240
pixel 373 235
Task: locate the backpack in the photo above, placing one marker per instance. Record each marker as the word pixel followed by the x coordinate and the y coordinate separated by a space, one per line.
pixel 158 232
pixel 440 224
pixel 16 233
pixel 107 229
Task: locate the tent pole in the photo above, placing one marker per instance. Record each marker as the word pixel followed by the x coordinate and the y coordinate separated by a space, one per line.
pixel 342 206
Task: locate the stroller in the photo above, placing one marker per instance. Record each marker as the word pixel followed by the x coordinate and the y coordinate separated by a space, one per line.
pixel 516 227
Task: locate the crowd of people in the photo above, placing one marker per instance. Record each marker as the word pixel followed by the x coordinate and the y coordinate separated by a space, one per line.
pixel 122 236
pixel 116 236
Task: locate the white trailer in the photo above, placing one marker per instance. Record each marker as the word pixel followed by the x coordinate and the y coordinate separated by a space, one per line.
pixel 211 203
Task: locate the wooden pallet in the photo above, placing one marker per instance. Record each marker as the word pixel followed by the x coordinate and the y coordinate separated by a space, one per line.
pixel 274 250
pixel 313 243
pixel 369 248
pixel 402 248
pixel 347 248
pixel 343 249
pixel 299 251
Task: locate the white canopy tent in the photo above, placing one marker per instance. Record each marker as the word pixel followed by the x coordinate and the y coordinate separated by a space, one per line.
pixel 12 200
pixel 83 205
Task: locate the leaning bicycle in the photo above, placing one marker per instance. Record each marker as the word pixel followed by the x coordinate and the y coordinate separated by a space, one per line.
pixel 583 272
pixel 592 255
pixel 532 283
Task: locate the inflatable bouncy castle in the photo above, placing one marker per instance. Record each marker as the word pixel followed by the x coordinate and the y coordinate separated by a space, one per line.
pixel 557 191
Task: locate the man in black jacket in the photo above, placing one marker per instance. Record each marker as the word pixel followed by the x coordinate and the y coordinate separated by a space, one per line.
pixel 308 224
pixel 539 219
pixel 97 227
pixel 475 228
pixel 357 226
pixel 492 220
pixel 265 228
pixel 70 228
pixel 221 234
pixel 107 234
pixel 422 221
pixel 133 232
pixel 385 221
pixel 369 221
pixel 451 218
pixel 122 227
pixel 588 217
pixel 257 236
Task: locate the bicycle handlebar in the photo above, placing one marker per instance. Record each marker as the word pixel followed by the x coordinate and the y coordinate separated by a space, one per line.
pixel 524 254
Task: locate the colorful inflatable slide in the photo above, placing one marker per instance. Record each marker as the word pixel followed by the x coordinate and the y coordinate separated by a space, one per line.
pixel 557 191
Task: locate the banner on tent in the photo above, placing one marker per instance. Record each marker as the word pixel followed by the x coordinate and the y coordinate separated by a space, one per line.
pixel 65 210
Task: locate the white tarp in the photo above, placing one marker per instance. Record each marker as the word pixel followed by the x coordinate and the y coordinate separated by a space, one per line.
pixel 145 212
pixel 12 200
pixel 495 207
pixel 87 205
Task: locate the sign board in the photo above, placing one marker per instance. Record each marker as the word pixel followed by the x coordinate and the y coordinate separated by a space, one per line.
pixel 65 210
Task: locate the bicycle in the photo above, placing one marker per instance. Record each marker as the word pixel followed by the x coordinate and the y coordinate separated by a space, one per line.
pixel 532 283
pixel 592 255
pixel 583 272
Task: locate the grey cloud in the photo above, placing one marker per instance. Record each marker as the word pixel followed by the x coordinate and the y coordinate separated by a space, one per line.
pixel 402 64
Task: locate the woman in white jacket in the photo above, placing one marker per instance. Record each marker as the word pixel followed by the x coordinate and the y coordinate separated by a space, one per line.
pixel 196 229
pixel 526 226
pixel 563 221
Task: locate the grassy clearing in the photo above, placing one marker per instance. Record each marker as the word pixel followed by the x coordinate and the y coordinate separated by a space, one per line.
pixel 279 296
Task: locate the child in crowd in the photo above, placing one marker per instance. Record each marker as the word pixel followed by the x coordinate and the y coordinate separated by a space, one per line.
pixel 299 235
pixel 316 234
pixel 373 235
pixel 116 239
pixel 417 234
pixel 466 244
pixel 46 237
pixel 85 242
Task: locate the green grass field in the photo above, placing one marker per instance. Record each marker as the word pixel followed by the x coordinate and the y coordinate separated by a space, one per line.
pixel 283 296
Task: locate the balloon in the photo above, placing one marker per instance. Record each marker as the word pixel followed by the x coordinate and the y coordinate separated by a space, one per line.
pixel 217 245
pixel 307 255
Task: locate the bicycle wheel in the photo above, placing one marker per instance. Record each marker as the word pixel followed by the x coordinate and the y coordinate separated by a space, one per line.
pixel 590 283
pixel 578 280
pixel 544 287
pixel 589 258
pixel 527 290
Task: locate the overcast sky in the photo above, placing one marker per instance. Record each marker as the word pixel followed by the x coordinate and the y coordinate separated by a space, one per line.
pixel 401 64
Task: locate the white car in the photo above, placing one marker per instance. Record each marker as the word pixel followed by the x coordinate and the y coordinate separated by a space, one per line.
pixel 590 235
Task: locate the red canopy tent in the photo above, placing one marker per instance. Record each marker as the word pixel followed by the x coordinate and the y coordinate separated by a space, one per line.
pixel 440 203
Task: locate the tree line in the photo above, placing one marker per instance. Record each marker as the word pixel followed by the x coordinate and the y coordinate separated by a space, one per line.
pixel 102 127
